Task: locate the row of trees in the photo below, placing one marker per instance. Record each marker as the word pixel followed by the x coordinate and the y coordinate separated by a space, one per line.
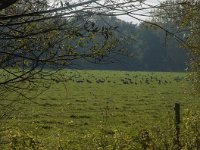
pixel 146 49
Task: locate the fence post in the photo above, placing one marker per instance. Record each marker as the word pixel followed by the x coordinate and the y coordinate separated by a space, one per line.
pixel 177 123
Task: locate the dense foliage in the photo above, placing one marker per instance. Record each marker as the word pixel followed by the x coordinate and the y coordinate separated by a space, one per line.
pixel 146 48
pixel 185 15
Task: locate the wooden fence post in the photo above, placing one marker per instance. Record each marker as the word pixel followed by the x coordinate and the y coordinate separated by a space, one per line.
pixel 177 123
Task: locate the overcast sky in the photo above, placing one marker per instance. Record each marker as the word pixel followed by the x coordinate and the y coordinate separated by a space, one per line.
pixel 129 19
pixel 154 1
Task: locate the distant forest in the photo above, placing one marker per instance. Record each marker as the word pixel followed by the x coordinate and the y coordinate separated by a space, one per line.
pixel 144 49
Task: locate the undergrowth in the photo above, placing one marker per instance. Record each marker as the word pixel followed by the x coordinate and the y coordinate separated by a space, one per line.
pixel 104 138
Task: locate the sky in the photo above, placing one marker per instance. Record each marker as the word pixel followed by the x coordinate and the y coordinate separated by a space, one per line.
pixel 153 1
pixel 134 21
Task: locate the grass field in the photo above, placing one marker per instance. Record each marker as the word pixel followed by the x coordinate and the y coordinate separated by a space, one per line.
pixel 94 100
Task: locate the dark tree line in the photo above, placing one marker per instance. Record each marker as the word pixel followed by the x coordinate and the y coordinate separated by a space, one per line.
pixel 145 48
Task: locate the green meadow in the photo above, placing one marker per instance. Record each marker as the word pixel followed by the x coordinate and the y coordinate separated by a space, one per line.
pixel 69 114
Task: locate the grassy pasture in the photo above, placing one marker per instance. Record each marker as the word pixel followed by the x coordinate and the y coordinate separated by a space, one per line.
pixel 96 100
